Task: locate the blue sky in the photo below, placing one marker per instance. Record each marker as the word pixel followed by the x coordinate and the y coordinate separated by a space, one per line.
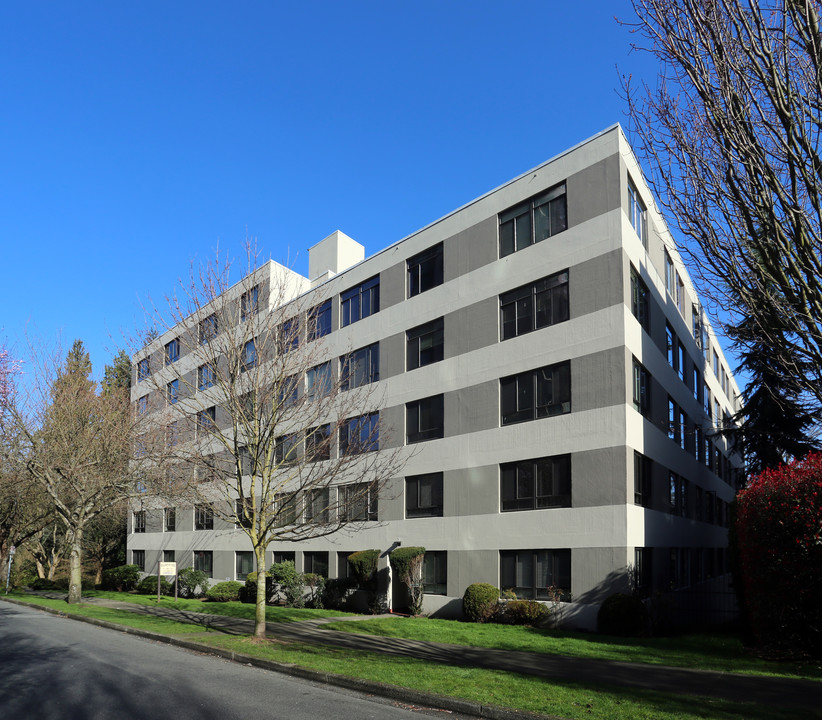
pixel 137 137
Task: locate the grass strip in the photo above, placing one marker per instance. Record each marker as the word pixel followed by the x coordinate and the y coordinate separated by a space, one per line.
pixel 723 653
pixel 519 692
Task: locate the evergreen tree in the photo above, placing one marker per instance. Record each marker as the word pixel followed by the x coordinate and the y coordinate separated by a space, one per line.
pixel 118 374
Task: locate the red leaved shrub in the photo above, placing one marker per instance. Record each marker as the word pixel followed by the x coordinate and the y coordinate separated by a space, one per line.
pixel 778 535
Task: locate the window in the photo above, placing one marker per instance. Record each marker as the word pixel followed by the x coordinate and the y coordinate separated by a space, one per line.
pixel 641 388
pixel 344 569
pixel 317 503
pixel 318 443
pixel 530 573
pixel 680 295
pixel 282 556
pixel 534 306
pixel 536 484
pixel 208 329
pixel 206 419
pixel 203 517
pixel 424 344
pixel 670 345
pixel 360 434
pixel 249 303
pixel 536 393
pixel 287 449
pixel 696 325
pixel 168 556
pixel 639 299
pixel 286 504
pixel 318 381
pixel 172 434
pixel 249 358
pixel 672 419
pixel 289 391
pixel 360 302
pixel 680 361
pixel 674 494
pixel 205 376
pixel 670 275
pixel 682 429
pixel 138 558
pixel 637 214
pixel 316 562
pixel 697 383
pixel 425 270
pixel 319 321
pixel 244 560
pixel 243 513
pixel 204 560
pixel 360 367
pixel 643 570
pixel 358 502
pixel 423 495
pixel 716 364
pixel 142 405
pixel 532 221
pixel 707 399
pixel 172 351
pixel 425 419
pixel 172 392
pixel 143 369
pixel 642 480
pixel 140 521
pixel 434 572
pixel 288 336
pixel 169 519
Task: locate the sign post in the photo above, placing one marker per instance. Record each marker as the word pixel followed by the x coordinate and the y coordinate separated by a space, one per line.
pixel 167 568
pixel 12 550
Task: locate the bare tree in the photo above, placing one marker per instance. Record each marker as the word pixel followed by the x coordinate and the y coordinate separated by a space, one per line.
pixel 253 417
pixel 732 132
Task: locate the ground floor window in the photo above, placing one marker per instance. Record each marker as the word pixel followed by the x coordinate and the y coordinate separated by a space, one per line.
pixel 204 560
pixel 531 573
pixel 138 558
pixel 283 556
pixel 435 572
pixel 244 564
pixel 168 556
pixel 316 562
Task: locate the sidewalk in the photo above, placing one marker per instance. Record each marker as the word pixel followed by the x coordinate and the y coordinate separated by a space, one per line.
pixel 783 692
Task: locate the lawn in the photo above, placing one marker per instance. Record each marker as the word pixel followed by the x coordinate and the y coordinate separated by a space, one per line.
pixel 721 652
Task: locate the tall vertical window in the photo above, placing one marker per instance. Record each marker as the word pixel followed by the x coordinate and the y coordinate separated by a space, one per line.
pixel 536 394
pixel 203 517
pixel 680 295
pixel 244 564
pixel 672 419
pixel 536 484
pixel 288 447
pixel 642 480
pixel 674 494
pixel 249 303
pixel 359 302
pixel 696 325
pixel 143 369
pixel 533 220
pixel 424 344
pixel 204 560
pixel 434 572
pixel 317 506
pixel 172 351
pixel 682 429
pixel 425 270
pixel 706 391
pixel 670 345
pixel 288 336
pixel 138 558
pixel 206 419
pixel 316 563
pixel 318 443
pixel 288 391
pixel 319 321
pixel 643 564
pixel 670 275
pixel 360 434
pixel 531 573
pixel 205 376
pixel 680 360
pixel 423 495
pixel 243 513
pixel 641 388
pixel 637 214
pixel 318 381
pixel 249 358
pixel 286 504
pixel 358 502
pixel 425 419
pixel 208 329
pixel 172 392
pixel 169 519
pixel 697 383
pixel 360 367
pixel 639 299
pixel 534 306
pixel 142 405
pixel 140 521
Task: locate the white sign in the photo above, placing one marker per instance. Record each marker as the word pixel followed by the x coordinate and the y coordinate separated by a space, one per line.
pixel 168 568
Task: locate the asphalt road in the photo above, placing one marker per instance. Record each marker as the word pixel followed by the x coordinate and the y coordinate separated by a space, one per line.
pixel 56 668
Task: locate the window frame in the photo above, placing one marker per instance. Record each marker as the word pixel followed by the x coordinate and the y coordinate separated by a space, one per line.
pixel 173 392
pixel 526 400
pixel 319 381
pixel 205 376
pixel 138 558
pixel 143 369
pixel 530 211
pixel 640 299
pixel 432 332
pixel 203 517
pixel 430 409
pixel 435 579
pixel 358 492
pixel 413 487
pixel 641 388
pixel 319 321
pixel 249 303
pixel 515 477
pixel 370 361
pixel 557 557
pixel 169 519
pixel 524 303
pixel 208 329
pixel 643 480
pixel 356 425
pixel 204 560
pixel 424 270
pixel 360 301
pixel 240 562
pixel 171 351
pixel 637 213
pixel 139 521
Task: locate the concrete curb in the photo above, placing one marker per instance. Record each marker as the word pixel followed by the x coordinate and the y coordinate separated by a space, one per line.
pixel 369 687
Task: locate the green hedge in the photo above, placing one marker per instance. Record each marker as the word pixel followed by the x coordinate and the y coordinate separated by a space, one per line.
pixel 480 601
pixel 622 614
pixel 224 591
pixel 148 586
pixel 123 578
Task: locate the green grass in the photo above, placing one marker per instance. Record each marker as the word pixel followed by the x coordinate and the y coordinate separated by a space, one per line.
pixel 721 652
pixel 520 692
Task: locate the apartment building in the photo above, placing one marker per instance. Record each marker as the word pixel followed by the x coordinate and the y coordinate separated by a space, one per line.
pixel 544 352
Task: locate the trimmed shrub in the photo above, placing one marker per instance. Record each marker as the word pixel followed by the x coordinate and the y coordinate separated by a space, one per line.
pixel 777 543
pixel 43 584
pixel 289 582
pixel 338 591
pixel 479 603
pixel 191 583
pixel 248 593
pixel 523 612
pixel 406 564
pixel 224 591
pixel 364 567
pixel 123 578
pixel 622 614
pixel 148 586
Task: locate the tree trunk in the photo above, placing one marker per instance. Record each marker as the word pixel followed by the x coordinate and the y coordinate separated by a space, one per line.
pixel 98 573
pixel 259 614
pixel 75 593
pixel 41 571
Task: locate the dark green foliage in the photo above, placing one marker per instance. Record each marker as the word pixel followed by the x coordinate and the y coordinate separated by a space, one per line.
pixel 364 567
pixel 192 583
pixel 224 591
pixel 406 564
pixel 479 603
pixel 622 614
pixel 338 591
pixel 315 584
pixel 148 586
pixel 123 578
pixel 289 583
pixel 117 376
pixel 248 594
pixel 43 584
pixel 522 612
